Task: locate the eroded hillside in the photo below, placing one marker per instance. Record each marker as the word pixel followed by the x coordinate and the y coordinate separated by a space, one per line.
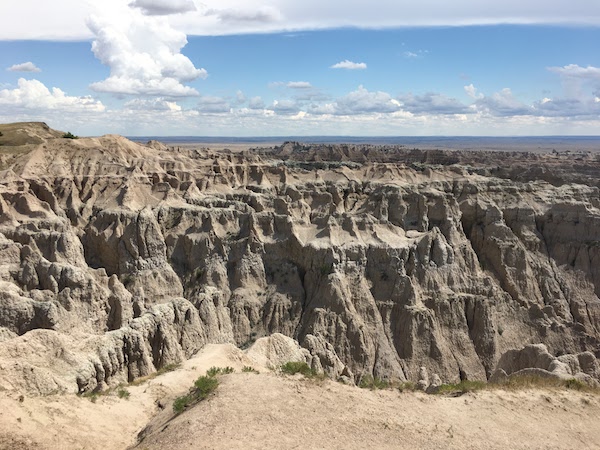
pixel 118 258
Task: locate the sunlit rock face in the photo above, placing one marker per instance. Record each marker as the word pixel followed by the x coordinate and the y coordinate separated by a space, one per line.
pixel 117 258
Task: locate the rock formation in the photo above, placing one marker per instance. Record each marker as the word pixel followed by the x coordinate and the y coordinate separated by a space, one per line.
pixel 118 258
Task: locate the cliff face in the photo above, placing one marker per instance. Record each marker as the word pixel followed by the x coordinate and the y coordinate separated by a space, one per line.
pixel 117 259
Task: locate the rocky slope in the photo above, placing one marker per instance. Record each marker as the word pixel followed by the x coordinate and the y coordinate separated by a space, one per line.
pixel 117 258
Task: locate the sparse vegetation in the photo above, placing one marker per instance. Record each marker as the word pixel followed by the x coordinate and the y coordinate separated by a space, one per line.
pixel 203 387
pixel 370 382
pixel 532 381
pixel 407 386
pixel 69 135
pixel 123 393
pixel 91 396
pixel 294 367
pixel 214 371
pixel 249 369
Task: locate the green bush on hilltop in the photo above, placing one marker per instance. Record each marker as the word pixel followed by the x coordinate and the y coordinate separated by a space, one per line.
pixel 202 388
pixel 69 135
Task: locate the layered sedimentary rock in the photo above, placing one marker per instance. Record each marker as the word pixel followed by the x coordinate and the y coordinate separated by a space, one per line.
pixel 119 258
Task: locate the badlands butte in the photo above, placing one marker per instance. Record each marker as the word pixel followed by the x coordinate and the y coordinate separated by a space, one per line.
pixel 119 259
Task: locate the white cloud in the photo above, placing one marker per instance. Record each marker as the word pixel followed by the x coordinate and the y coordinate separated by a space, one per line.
pixel 471 91
pixel 578 82
pixel 285 106
pixel 143 54
pixel 35 96
pixel 503 103
pixel 256 103
pixel 249 15
pixel 164 7
pixel 65 19
pixel 576 71
pixel 240 97
pixel 24 67
pixel 432 103
pixel 363 101
pixel 349 65
pixel 210 104
pixel 155 104
pixel 299 85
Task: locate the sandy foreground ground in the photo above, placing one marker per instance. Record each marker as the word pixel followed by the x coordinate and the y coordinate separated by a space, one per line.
pixel 255 411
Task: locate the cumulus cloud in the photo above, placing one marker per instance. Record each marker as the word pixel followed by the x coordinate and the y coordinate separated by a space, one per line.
pixel 503 103
pixel 432 103
pixel 143 54
pixel 155 104
pixel 34 95
pixel 240 97
pixel 471 91
pixel 256 103
pixel 164 7
pixel 349 65
pixel 285 107
pixel 578 82
pixel 363 101
pixel 24 67
pixel 574 70
pixel 210 104
pixel 299 85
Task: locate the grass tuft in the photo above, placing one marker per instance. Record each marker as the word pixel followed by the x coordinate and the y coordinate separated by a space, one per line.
pixel 294 367
pixel 214 371
pixel 533 381
pixel 203 387
pixel 123 393
pixel 373 383
pixel 249 369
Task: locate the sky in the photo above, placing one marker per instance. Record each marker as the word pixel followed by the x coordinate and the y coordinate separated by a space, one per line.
pixel 289 68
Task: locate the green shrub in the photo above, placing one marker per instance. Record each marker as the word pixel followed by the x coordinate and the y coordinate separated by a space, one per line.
pixel 123 393
pixel 203 387
pixel 69 135
pixel 181 403
pixel 214 371
pixel 294 367
pixel 249 369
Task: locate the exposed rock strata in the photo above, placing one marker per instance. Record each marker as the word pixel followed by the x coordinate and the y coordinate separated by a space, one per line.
pixel 121 258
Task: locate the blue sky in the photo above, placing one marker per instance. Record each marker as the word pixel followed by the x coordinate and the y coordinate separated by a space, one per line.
pixel 157 67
